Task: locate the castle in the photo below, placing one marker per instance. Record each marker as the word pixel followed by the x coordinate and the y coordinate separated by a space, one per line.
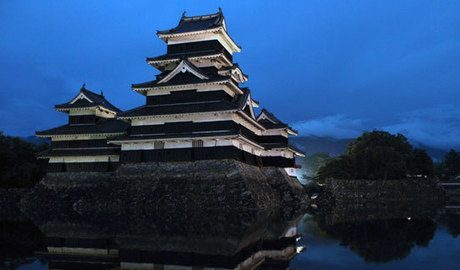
pixel 195 109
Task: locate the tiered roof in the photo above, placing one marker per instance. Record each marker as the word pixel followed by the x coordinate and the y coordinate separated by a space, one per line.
pixel 174 57
pixel 184 73
pixel 197 23
pixel 236 104
pixel 108 126
pixel 270 121
pixel 180 68
pixel 87 99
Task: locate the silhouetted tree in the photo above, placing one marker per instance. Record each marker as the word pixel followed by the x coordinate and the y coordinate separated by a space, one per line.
pixel 421 163
pixel 19 166
pixel 451 164
pixel 452 223
pixel 378 155
pixel 18 240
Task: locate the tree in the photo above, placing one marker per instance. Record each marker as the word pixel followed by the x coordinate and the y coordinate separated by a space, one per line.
pixel 378 155
pixel 421 163
pixel 337 168
pixel 312 163
pixel 19 166
pixel 451 164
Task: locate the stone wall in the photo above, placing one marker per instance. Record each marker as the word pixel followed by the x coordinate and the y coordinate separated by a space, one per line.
pixel 164 189
pixel 385 190
pixel 9 199
pixel 358 200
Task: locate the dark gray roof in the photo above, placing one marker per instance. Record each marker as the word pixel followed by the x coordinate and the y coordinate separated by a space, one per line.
pixel 197 23
pixel 176 135
pixel 105 126
pixel 246 89
pixel 281 145
pixel 210 106
pixel 98 100
pixel 274 123
pixel 185 55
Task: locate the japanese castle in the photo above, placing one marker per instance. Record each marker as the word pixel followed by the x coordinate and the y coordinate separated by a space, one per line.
pixel 195 109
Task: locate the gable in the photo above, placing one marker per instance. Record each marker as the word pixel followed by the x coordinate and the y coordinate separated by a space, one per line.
pixel 264 116
pixel 183 67
pixel 80 99
pixel 248 107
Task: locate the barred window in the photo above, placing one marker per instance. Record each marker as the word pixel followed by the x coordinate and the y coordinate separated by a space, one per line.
pixel 158 145
pixel 197 143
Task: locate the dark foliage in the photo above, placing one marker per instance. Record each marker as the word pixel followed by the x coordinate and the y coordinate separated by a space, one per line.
pixel 421 163
pixel 449 169
pixel 18 240
pixel 312 163
pixel 378 155
pixel 452 223
pixel 19 166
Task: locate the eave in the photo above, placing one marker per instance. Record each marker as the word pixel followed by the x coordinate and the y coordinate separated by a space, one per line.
pixel 75 109
pixel 139 117
pixel 143 90
pixel 157 63
pixel 250 119
pixel 218 30
pixel 143 140
pixel 291 149
pixel 102 108
pixel 291 131
pixel 73 135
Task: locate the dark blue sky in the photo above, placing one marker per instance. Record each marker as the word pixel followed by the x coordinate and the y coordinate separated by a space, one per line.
pixel 330 68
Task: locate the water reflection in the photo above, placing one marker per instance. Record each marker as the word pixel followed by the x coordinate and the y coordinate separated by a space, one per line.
pixel 382 240
pixel 226 240
pixel 379 231
pixel 18 242
pixel 451 220
pixel 216 240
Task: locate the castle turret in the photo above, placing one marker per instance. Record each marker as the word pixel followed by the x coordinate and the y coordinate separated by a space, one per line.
pixel 81 144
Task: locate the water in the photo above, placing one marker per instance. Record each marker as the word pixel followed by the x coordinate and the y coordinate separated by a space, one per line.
pixel 347 237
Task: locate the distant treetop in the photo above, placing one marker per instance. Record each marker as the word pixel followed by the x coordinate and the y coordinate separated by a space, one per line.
pixel 378 155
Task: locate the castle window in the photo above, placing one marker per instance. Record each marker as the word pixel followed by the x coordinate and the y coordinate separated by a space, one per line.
pixel 197 143
pixel 158 145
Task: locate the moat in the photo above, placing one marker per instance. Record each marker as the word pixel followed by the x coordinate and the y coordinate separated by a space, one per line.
pixel 352 237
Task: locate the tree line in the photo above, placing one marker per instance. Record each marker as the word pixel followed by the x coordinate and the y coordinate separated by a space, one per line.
pixel 19 166
pixel 379 155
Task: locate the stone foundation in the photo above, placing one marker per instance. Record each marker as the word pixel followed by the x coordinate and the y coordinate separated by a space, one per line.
pixel 164 189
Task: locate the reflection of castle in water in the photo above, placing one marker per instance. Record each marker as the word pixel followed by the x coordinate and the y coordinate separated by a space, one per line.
pixel 227 244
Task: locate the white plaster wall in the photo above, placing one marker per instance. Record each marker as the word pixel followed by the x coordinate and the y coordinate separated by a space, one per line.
pixel 76 159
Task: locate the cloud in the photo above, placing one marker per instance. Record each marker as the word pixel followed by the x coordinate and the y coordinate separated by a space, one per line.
pixel 437 126
pixel 337 126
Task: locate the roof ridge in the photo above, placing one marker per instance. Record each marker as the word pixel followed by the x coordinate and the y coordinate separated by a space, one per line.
pixel 204 16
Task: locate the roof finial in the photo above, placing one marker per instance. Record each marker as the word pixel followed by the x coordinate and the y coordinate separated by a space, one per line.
pixel 183 13
pixel 220 10
pixel 83 86
pixel 102 93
